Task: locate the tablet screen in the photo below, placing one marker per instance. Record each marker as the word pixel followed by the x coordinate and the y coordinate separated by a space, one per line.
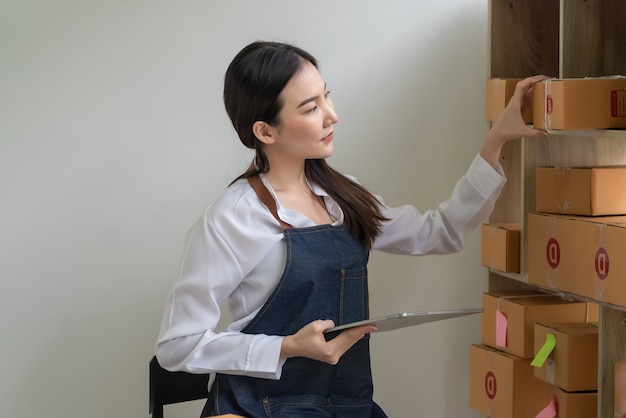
pixel 406 319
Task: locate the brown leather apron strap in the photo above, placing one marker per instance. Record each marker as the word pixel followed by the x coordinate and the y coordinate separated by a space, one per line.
pixel 264 195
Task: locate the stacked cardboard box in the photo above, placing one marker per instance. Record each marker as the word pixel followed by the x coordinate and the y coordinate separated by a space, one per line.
pixel 500 247
pixel 579 255
pixel 577 405
pixel 571 247
pixel 503 386
pixel 502 382
pixel 498 93
pixel 564 104
pixel 576 239
pixel 588 191
pixel 567 357
pixel 580 103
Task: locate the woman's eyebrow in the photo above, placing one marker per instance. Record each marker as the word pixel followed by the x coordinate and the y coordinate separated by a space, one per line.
pixel 310 99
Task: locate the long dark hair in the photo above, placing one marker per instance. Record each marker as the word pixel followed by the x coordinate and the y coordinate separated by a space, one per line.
pixel 252 86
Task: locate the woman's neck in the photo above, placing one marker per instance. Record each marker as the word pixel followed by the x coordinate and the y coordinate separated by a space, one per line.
pixel 287 178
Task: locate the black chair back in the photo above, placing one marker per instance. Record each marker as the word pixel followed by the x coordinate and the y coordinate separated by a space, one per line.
pixel 173 387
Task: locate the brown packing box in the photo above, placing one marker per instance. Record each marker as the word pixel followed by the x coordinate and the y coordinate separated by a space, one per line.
pixel 573 363
pixel 503 386
pixel 498 93
pixel 595 191
pixel 620 389
pixel 577 404
pixel 601 265
pixel 580 255
pixel 551 252
pixel 501 247
pixel 580 103
pixel 522 311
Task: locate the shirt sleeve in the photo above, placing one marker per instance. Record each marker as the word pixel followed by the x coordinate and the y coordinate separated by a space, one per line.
pixel 443 230
pixel 213 265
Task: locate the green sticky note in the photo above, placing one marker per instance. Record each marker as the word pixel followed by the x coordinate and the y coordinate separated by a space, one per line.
pixel 544 351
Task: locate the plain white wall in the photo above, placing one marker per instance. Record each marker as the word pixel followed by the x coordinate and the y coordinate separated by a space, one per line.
pixel 113 138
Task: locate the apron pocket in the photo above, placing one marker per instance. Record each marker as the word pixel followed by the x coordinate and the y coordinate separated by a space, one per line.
pixel 353 296
pixel 311 406
pixel 298 406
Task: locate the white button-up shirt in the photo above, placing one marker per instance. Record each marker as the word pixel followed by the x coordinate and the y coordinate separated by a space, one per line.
pixel 236 252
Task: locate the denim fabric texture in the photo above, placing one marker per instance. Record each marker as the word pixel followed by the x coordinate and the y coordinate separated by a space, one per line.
pixel 325 277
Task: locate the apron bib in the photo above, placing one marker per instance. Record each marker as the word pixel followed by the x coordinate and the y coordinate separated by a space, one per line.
pixel 325 277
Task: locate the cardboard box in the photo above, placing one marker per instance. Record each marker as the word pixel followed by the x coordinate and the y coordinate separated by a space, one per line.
pixel 620 389
pixel 579 255
pixel 498 93
pixel 573 362
pixel 503 386
pixel 601 269
pixel 577 404
pixel 580 103
pixel 551 252
pixel 592 191
pixel 500 248
pixel 522 311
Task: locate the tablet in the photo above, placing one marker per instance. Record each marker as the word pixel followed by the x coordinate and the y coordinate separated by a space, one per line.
pixel 407 319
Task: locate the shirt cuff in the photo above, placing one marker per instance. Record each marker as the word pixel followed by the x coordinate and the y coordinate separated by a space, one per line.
pixel 487 181
pixel 264 357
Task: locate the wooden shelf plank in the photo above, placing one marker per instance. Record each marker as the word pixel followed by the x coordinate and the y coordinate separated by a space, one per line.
pixel 524 38
pixel 614 37
pixel 521 282
pixel 580 33
pixel 592 38
pixel 569 150
pixel 592 133
pixel 611 349
pixel 508 207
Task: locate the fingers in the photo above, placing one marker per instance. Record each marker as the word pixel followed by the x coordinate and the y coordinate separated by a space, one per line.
pixel 344 341
pixel 323 324
pixel 350 336
pixel 357 333
pixel 530 81
pixel 536 132
pixel 524 87
pixel 310 341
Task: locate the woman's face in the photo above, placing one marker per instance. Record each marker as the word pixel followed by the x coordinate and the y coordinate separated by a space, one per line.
pixel 306 119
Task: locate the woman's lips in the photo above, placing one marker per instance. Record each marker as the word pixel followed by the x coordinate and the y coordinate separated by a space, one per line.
pixel 329 137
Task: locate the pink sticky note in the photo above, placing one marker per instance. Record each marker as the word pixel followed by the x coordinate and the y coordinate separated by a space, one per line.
pixel 501 326
pixel 550 410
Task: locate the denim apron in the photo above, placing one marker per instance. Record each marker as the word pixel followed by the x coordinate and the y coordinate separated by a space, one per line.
pixel 325 277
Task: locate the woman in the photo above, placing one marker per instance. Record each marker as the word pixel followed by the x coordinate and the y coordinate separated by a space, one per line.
pixel 287 243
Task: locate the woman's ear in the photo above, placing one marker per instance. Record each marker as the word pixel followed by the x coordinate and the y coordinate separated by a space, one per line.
pixel 264 132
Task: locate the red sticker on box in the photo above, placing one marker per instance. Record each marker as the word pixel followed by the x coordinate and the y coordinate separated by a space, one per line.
pixel 491 386
pixel 549 104
pixel 602 263
pixel 618 103
pixel 553 253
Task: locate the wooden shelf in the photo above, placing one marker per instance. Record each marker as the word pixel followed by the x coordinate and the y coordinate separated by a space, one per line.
pixel 562 38
pixel 592 133
pixel 523 279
